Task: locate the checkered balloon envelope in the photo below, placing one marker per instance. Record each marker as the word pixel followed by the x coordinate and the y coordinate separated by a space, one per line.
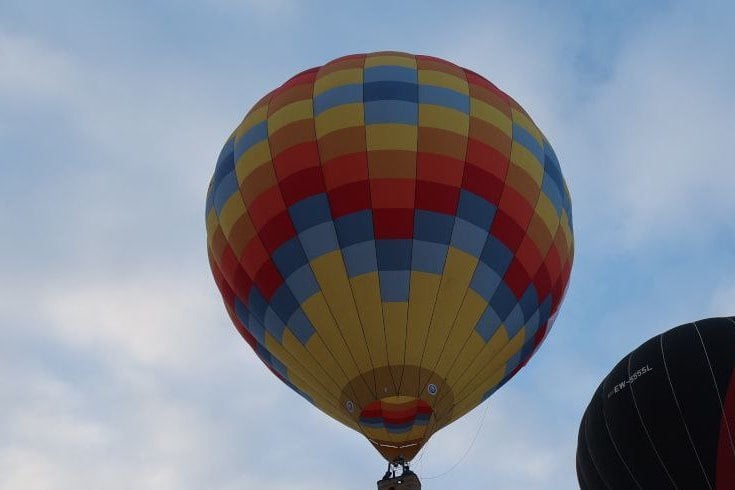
pixel 392 235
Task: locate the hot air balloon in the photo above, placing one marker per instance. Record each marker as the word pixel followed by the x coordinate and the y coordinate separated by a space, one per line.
pixel 664 418
pixel 392 235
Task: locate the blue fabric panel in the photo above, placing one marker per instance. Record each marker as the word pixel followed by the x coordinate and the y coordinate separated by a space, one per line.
pixel 354 228
pixel 428 256
pixel 490 392
pixel 256 304
pixel 343 94
pixel 300 326
pixel 529 302
pixel 514 321
pixel 488 323
pixel 303 395
pixel 442 96
pixel 496 255
pixel 250 323
pixel 226 188
pixel 532 324
pixel 527 348
pixel 319 240
pixel 513 362
pixel 503 301
pixel 433 227
pixel 393 255
pixel 256 134
pixel 310 212
pixel 394 285
pixel 399 428
pixel 283 302
pixel 468 237
pixel 302 283
pixel 274 324
pixel 545 309
pixel 551 165
pixel 360 258
pixel 475 209
pixel 553 192
pixel 225 162
pixel 390 73
pixel 372 423
pixel 257 330
pixel 485 281
pixel 391 112
pixel 520 135
pixel 278 366
pixel 289 257
pixel 390 91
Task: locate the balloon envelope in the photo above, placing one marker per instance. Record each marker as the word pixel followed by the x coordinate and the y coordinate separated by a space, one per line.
pixel 392 235
pixel 664 417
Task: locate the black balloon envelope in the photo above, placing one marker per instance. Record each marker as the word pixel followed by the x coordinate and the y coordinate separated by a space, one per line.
pixel 664 418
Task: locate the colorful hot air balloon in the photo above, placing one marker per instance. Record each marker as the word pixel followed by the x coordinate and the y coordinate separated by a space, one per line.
pixel 664 418
pixel 392 235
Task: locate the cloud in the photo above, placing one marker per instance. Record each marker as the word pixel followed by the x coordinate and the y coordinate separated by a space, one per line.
pixel 658 153
pixel 31 69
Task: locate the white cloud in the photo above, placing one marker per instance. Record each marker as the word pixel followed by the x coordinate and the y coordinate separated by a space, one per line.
pixel 659 157
pixel 150 320
pixel 723 300
pixel 33 70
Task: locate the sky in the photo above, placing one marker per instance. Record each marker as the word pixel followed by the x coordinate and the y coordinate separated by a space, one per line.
pixel 119 367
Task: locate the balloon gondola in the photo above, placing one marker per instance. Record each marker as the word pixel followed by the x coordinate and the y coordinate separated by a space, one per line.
pixel 392 235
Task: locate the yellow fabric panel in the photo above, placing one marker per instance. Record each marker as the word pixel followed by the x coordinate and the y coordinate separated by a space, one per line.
pixel 391 137
pixel 490 114
pixel 525 122
pixel 473 360
pixel 295 111
pixel 212 224
pixel 458 271
pixel 318 313
pixel 339 117
pixel 253 118
pixel 479 375
pixel 366 288
pixel 254 157
pixel 423 291
pixel 311 385
pixel 326 357
pixel 442 79
pixel 395 314
pixel 520 156
pixel 545 209
pixel 310 366
pixel 338 78
pixel 233 209
pixel 432 116
pixel 328 404
pixel 330 273
pixel 469 313
pixel 389 60
pixel 473 347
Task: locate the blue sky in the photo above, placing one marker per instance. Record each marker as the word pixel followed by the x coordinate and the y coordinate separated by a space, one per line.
pixel 119 368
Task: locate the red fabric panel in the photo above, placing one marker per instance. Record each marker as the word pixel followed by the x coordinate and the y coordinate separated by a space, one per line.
pixel 725 466
pixel 350 198
pixel 393 223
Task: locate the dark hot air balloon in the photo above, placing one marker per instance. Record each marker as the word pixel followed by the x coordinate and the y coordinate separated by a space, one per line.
pixel 664 418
